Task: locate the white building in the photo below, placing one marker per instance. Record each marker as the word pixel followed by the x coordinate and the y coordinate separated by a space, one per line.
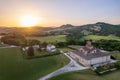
pixel 51 48
pixel 36 46
pixel 89 55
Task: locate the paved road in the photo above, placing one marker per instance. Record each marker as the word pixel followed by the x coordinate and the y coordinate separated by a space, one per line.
pixel 72 66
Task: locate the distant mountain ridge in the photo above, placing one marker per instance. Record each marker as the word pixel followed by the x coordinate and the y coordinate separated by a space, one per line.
pixel 99 28
pixel 67 26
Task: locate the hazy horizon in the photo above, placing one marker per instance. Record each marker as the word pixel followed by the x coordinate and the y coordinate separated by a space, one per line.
pixel 59 12
pixel 58 25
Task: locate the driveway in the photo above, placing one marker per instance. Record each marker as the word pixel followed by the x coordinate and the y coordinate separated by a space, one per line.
pixel 72 66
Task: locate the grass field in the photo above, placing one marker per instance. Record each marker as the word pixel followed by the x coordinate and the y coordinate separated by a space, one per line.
pixel 14 67
pixel 87 75
pixel 3 45
pixel 116 55
pixel 65 49
pixel 59 38
pixel 70 47
pixel 95 37
pixel 75 46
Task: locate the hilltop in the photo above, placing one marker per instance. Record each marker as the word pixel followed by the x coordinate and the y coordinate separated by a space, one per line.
pixel 99 28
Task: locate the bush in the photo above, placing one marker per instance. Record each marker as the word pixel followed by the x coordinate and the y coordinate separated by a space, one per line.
pixel 41 54
pixel 30 51
pixel 117 65
pixel 107 68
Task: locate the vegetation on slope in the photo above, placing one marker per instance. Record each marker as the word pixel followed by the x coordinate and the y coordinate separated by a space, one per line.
pixel 55 38
pixel 96 37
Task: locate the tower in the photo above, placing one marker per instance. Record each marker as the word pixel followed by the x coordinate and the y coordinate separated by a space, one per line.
pixel 88 45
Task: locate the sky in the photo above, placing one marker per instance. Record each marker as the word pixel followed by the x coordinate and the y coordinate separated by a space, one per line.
pixel 59 12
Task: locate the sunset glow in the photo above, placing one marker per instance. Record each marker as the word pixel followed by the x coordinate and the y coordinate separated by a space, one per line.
pixel 28 21
pixel 17 13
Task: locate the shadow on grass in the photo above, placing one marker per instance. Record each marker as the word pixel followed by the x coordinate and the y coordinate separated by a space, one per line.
pixel 40 56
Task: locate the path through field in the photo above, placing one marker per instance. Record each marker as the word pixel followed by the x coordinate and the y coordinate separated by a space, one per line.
pixel 72 66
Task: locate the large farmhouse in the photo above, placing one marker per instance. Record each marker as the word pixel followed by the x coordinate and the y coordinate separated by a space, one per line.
pixel 89 55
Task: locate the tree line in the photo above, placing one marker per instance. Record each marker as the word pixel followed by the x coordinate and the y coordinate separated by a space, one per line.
pixel 20 40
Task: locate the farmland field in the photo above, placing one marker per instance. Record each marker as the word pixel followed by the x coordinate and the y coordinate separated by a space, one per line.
pixel 95 37
pixel 116 55
pixel 14 67
pixel 87 75
pixel 59 38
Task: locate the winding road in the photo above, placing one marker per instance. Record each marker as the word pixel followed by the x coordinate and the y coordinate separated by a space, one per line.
pixel 72 66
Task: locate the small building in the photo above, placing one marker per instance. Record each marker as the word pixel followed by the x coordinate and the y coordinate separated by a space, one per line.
pixel 25 48
pixel 36 46
pixel 89 55
pixel 51 48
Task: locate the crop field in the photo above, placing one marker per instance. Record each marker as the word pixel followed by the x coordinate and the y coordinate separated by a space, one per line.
pixel 56 38
pixel 96 37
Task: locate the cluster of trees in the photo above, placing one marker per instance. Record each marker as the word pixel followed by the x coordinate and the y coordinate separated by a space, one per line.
pixel 71 39
pixel 110 45
pixel 20 40
pixel 14 39
pixel 69 42
pixel 40 47
pixel 106 29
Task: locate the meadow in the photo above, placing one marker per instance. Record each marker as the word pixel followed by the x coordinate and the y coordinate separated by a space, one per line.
pixel 58 38
pixel 14 67
pixel 116 55
pixel 96 37
pixel 62 38
pixel 87 75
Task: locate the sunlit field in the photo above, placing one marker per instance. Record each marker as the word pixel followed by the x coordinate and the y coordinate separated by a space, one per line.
pixel 14 67
pixel 58 38
pixel 95 37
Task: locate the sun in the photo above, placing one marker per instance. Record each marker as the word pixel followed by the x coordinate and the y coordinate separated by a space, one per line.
pixel 28 21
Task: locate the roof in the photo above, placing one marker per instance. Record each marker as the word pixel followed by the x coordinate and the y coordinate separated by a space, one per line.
pixel 89 56
pixel 50 45
pixel 87 49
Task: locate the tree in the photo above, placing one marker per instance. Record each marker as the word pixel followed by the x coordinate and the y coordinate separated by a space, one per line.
pixel 14 39
pixel 44 44
pixel 30 51
pixel 32 42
